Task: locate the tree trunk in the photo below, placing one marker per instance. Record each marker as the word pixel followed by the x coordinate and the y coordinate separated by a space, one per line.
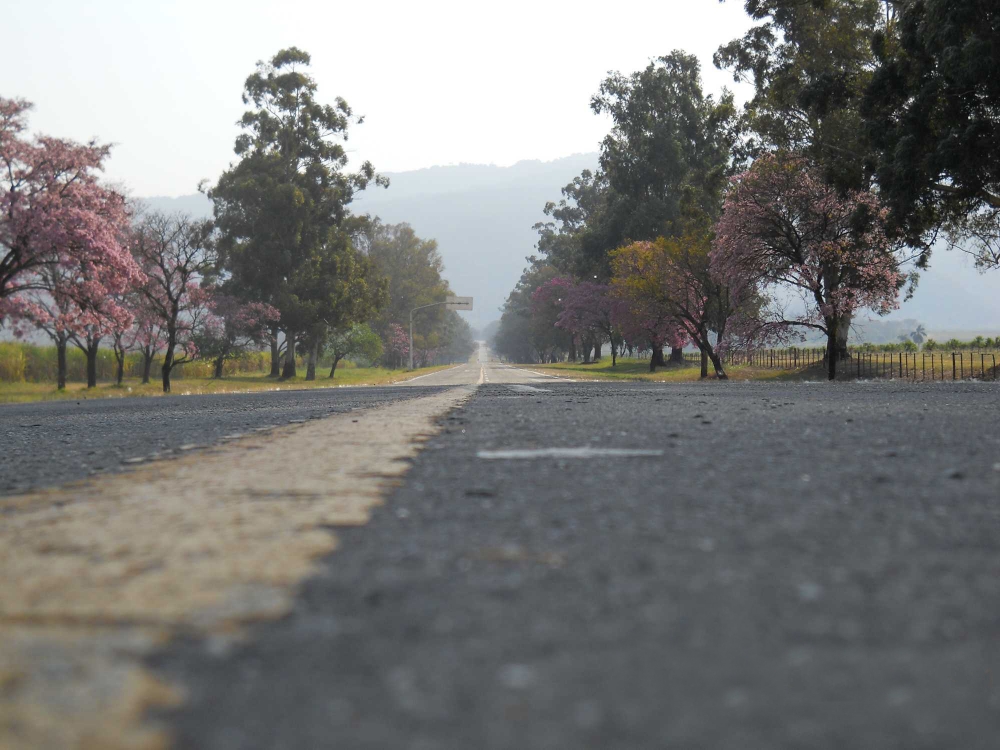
pixel 704 364
pixel 168 363
pixel 275 360
pixel 720 371
pixel 289 370
pixel 656 359
pixel 147 365
pixel 614 353
pixel 311 365
pixel 586 351
pixel 676 355
pixel 61 366
pixel 120 374
pixel 336 361
pixel 843 333
pixel 92 363
pixel 598 346
pixel 219 362
pixel 831 350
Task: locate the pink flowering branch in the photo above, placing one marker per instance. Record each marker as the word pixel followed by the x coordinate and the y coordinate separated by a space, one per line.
pixel 783 226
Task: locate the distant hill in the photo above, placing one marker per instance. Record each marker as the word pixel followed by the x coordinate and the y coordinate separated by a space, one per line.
pixel 482 216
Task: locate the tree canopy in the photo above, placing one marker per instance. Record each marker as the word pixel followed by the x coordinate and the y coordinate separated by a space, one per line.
pixel 932 116
pixel 281 209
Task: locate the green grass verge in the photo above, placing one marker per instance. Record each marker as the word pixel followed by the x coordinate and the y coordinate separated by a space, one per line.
pixel 638 370
pixel 28 392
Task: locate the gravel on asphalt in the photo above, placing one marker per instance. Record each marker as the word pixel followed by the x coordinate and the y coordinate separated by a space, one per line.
pixel 805 566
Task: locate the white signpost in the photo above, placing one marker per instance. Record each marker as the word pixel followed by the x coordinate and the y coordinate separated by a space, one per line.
pixel 451 302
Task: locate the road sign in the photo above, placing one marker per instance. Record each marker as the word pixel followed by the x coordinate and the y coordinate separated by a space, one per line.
pixel 459 303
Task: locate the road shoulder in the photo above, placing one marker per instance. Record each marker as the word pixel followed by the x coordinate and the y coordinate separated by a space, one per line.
pixel 105 572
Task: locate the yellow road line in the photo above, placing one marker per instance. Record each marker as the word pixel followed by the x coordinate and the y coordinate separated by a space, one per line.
pixel 100 574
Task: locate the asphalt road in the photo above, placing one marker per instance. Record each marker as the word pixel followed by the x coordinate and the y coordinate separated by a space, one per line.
pixel 60 441
pixel 622 566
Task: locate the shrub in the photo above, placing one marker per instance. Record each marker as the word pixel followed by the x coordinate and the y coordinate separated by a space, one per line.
pixel 21 362
pixel 12 362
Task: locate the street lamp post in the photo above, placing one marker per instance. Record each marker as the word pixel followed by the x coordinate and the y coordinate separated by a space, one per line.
pixel 455 303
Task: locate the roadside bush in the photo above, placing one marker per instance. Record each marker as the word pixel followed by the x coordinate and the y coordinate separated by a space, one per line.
pixel 20 362
pixel 12 362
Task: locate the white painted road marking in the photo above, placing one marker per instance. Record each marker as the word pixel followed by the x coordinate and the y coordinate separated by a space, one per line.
pixel 528 389
pixel 539 374
pixel 586 452
pixel 410 380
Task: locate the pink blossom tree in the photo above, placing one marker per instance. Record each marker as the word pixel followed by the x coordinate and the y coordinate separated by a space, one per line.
pixel 643 323
pixel 585 310
pixel 124 332
pixel 674 275
pixel 550 340
pixel 783 226
pixel 231 328
pixel 178 258
pixel 69 307
pixel 54 214
pixel 149 335
pixel 397 346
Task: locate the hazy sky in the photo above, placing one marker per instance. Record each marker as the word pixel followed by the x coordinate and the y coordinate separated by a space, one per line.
pixel 438 82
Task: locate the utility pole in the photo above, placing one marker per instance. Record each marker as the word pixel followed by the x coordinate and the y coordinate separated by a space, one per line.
pixel 452 302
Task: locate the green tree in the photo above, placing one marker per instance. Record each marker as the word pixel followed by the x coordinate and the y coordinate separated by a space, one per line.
pixel 457 339
pixel 528 331
pixel 278 206
pixel 574 240
pixel 413 268
pixel 668 149
pixel 665 160
pixel 810 64
pixel 358 341
pixel 932 116
pixel 333 288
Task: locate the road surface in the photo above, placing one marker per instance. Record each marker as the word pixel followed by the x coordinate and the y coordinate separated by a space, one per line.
pixel 597 565
pixel 58 441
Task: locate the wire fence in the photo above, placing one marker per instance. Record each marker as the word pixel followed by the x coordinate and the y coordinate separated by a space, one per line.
pixel 929 366
pixel 979 364
pixel 924 365
pixel 777 359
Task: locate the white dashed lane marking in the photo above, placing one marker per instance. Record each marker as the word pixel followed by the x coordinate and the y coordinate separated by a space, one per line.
pixel 586 452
